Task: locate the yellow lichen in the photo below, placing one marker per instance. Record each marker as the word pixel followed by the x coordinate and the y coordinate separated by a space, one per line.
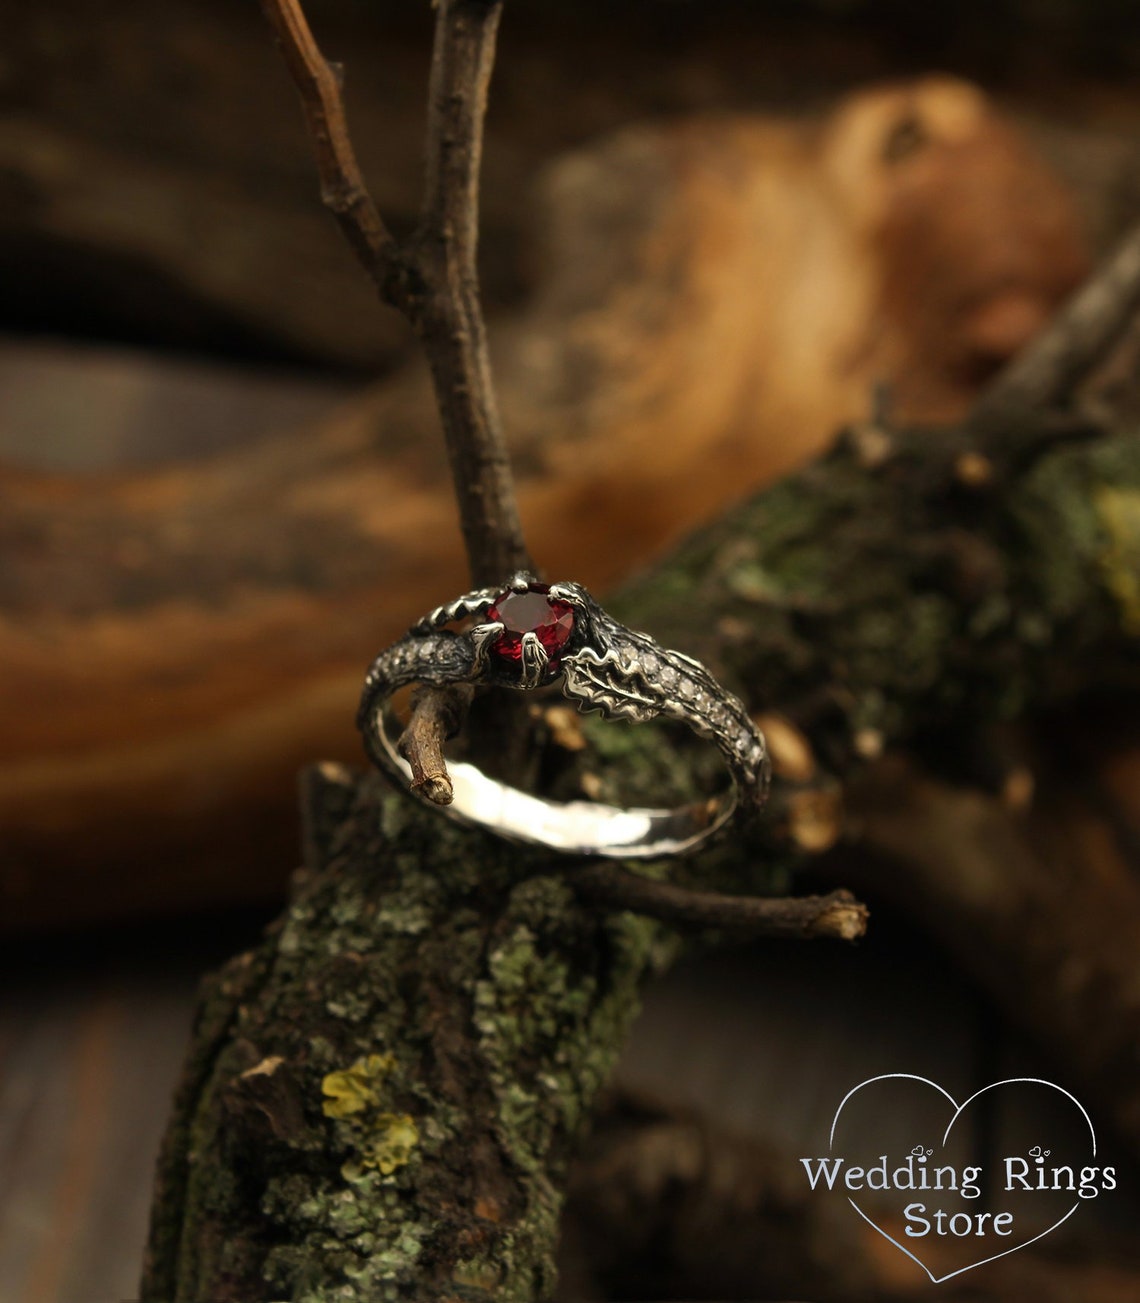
pixel 355 1089
pixel 381 1140
pixel 391 1147
pixel 1119 511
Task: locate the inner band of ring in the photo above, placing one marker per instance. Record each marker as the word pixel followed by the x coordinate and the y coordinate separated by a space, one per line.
pixel 617 671
pixel 582 827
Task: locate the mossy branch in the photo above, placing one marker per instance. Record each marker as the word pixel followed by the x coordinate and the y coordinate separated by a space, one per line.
pixel 495 997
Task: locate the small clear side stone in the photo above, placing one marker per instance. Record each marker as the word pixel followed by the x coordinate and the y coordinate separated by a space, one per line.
pixel 668 677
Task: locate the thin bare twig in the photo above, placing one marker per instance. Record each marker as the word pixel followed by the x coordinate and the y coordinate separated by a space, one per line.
pixel 451 322
pixel 431 277
pixel 1046 373
pixel 343 190
pixel 838 914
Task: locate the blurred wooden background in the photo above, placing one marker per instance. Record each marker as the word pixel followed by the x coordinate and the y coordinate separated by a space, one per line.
pixel 172 292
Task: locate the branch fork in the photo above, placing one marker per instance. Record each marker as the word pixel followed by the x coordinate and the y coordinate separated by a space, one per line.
pixel 431 277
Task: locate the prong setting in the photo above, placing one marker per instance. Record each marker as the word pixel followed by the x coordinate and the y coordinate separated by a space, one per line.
pixel 534 661
pixel 568 593
pixel 519 582
pixel 483 638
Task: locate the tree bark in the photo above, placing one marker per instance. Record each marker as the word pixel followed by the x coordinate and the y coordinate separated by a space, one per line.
pixel 456 1021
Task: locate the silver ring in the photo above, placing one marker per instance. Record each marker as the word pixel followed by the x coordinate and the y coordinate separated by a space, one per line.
pixel 528 636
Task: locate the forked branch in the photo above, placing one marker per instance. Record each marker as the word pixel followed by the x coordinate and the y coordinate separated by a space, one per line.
pixel 431 277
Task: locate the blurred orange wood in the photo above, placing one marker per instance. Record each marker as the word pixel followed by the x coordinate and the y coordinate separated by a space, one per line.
pixel 716 297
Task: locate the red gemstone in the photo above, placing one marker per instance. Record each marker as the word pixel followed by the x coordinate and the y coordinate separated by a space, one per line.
pixel 535 612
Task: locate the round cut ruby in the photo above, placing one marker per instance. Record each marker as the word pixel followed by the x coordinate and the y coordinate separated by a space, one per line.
pixel 534 611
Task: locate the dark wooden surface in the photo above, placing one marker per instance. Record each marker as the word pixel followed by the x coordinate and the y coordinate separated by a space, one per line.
pixel 92 1033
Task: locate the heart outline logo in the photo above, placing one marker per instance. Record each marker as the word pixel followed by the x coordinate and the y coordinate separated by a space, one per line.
pixel 959 1109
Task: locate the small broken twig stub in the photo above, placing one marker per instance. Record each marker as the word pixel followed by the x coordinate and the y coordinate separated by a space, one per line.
pixel 837 915
pixel 437 714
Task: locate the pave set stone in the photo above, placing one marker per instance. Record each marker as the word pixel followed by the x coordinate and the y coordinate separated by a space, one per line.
pixel 728 725
pixel 429 658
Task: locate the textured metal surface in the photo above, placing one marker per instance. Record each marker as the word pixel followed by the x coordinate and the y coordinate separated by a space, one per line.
pixel 618 672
